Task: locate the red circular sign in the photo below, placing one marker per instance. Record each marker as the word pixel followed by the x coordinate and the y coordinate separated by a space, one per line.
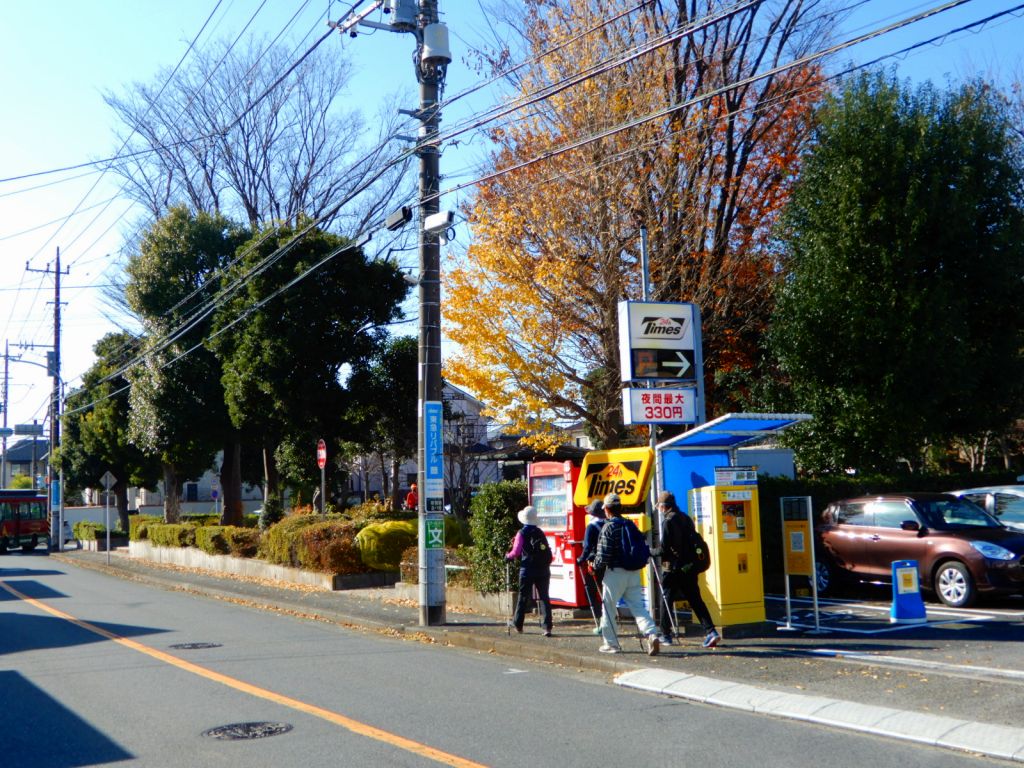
pixel 321 454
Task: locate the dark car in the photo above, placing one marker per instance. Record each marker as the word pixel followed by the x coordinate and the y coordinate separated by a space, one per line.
pixel 960 549
pixel 1003 502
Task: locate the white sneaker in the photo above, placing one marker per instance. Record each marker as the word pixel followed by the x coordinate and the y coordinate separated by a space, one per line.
pixel 653 645
pixel 609 649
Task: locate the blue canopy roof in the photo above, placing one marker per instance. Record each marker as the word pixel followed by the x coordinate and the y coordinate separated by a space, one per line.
pixel 733 430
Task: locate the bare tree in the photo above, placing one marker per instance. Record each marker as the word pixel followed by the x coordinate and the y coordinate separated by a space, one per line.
pixel 224 136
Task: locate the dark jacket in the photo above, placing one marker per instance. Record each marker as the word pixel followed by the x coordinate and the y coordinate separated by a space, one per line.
pixel 609 544
pixel 677 531
pixel 590 538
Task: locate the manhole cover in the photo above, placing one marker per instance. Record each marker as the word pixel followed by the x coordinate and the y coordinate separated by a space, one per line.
pixel 193 646
pixel 244 731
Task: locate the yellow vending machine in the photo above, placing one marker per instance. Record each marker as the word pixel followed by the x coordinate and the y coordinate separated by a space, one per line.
pixel 727 516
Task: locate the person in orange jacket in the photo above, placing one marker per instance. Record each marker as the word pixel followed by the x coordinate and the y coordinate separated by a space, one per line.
pixel 412 499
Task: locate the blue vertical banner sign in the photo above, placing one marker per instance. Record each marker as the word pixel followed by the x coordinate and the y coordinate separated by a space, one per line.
pixel 433 470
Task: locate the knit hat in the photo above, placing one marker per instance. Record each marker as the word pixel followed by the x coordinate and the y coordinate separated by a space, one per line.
pixel 596 508
pixel 667 497
pixel 612 500
pixel 528 516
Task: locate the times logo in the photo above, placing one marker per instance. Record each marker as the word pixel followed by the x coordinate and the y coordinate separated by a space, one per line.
pixel 663 327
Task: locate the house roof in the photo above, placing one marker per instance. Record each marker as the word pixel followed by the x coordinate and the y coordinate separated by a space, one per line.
pixel 21 451
pixel 519 452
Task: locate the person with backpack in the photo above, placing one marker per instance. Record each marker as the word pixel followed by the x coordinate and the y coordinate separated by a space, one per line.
pixel 622 553
pixel 531 546
pixel 591 578
pixel 684 556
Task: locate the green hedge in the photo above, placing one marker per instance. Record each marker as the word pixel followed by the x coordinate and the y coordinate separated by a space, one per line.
pixel 172 534
pixel 242 541
pixel 493 524
pixel 138 525
pixel 280 542
pixel 212 540
pixel 87 530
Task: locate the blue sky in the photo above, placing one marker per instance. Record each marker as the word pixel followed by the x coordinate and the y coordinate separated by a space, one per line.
pixel 58 58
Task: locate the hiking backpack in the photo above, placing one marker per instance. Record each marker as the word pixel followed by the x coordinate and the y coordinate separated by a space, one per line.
pixel 535 547
pixel 635 552
pixel 701 556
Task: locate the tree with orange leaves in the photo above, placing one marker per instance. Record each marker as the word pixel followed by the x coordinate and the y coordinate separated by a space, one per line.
pixel 628 116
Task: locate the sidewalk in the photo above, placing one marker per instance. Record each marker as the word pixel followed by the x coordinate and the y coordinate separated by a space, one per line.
pixel 957 682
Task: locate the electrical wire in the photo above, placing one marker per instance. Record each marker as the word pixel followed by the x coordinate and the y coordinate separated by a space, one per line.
pixel 800 62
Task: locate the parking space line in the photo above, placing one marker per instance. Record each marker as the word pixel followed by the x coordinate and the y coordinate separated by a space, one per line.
pixel 963 670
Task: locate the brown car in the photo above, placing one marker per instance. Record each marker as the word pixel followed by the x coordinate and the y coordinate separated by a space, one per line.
pixel 960 549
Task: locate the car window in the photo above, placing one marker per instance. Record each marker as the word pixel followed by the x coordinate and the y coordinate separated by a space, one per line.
pixel 955 513
pixel 1010 508
pixel 978 498
pixel 854 513
pixel 889 514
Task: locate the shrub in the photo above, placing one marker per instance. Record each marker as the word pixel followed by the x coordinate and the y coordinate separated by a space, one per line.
pixel 242 542
pixel 87 530
pixel 272 513
pixel 250 521
pixel 375 512
pixel 280 541
pixel 329 546
pixel 211 539
pixel 409 566
pixel 493 525
pixel 462 576
pixel 138 526
pixel 201 520
pixel 381 544
pixel 172 534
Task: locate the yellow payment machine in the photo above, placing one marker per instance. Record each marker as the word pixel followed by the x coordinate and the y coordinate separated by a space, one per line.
pixel 728 517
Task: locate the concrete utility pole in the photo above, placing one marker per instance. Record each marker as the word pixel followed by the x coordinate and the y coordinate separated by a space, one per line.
pixel 56 500
pixel 431 74
pixel 431 63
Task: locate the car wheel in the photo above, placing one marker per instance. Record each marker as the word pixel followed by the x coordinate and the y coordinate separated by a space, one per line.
pixel 825 575
pixel 954 585
pixel 30 545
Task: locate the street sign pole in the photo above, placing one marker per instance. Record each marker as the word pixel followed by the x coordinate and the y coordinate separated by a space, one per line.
pixel 108 481
pixel 321 460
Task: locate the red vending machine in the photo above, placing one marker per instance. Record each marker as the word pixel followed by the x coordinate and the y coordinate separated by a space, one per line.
pixel 551 487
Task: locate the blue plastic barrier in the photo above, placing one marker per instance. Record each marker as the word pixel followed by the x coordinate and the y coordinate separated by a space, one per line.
pixel 907 605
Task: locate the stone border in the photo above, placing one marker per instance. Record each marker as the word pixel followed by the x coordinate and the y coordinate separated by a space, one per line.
pixel 190 557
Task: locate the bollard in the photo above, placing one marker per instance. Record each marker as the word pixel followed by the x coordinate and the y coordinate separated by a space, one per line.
pixel 907 605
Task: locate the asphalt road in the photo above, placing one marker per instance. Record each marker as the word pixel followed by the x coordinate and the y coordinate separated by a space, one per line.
pixel 98 670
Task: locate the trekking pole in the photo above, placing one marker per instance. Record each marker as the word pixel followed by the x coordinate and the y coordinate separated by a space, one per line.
pixel 597 591
pixel 508 599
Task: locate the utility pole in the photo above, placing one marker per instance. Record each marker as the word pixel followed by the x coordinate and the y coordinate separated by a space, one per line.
pixel 54 492
pixel 5 433
pixel 431 74
pixel 431 63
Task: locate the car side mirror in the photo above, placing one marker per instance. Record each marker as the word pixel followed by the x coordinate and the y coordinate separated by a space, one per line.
pixel 910 525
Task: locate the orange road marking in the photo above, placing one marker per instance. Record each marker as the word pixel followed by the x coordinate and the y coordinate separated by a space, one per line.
pixel 262 693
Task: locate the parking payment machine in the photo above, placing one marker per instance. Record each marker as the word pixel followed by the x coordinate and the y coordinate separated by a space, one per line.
pixel 728 517
pixel 551 487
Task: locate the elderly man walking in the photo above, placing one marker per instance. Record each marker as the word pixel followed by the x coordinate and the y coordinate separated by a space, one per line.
pixel 622 577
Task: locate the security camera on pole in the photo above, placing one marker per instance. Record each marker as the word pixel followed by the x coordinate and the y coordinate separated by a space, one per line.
pixel 431 64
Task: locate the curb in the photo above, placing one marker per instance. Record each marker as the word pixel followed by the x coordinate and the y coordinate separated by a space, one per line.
pixel 978 738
